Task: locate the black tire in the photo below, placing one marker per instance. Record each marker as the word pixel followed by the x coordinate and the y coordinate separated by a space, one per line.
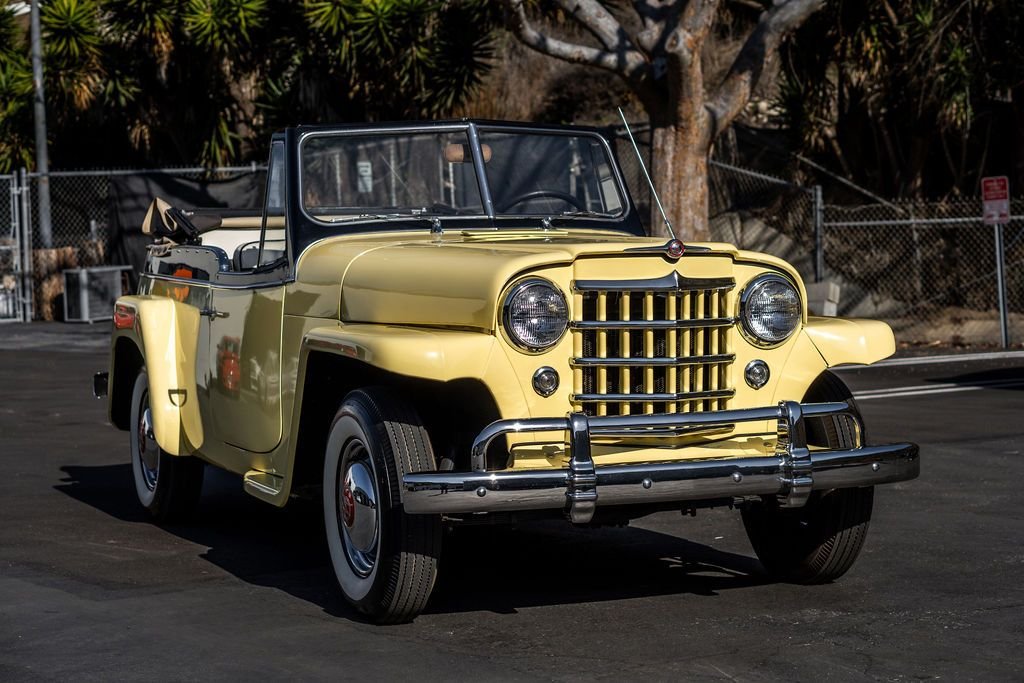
pixel 384 559
pixel 819 542
pixel 168 486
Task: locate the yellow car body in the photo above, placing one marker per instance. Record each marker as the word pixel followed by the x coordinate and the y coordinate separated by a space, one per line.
pixel 645 397
pixel 377 300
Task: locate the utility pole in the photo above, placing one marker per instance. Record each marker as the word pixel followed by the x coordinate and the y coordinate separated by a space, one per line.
pixel 42 155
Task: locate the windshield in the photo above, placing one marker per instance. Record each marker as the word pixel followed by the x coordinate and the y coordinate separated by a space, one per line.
pixel 550 174
pixel 346 177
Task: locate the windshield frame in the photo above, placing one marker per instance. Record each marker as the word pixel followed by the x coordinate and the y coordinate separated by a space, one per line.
pixel 472 131
pixel 304 229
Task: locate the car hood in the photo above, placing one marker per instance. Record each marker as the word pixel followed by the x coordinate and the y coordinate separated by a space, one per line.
pixel 457 280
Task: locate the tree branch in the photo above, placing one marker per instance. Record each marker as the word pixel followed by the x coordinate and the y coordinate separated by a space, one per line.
pixel 774 25
pixel 599 21
pixel 698 16
pixel 625 60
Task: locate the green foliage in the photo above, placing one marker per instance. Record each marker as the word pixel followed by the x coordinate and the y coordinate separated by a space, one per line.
pixel 901 94
pixel 15 97
pixel 148 82
pixel 72 29
pixel 224 24
pixel 10 36
pixel 380 60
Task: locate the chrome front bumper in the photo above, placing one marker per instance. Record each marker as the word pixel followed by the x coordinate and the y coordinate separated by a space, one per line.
pixel 791 473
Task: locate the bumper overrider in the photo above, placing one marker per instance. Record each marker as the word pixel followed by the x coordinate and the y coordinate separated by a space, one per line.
pixel 791 473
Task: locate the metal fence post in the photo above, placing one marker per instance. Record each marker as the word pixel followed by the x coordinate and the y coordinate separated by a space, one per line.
pixel 1004 329
pixel 26 241
pixel 819 236
pixel 14 313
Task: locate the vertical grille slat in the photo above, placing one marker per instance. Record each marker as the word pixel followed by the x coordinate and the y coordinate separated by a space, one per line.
pixel 652 349
pixel 672 347
pixel 602 351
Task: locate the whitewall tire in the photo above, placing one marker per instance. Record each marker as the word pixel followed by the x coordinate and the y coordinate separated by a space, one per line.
pixel 385 561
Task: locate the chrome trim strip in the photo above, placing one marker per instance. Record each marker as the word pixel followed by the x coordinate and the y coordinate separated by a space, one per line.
pixel 684 323
pixel 219 285
pixel 673 282
pixel 660 249
pixel 656 398
pixel 657 362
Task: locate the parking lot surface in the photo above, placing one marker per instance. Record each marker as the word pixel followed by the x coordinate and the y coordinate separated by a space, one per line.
pixel 90 589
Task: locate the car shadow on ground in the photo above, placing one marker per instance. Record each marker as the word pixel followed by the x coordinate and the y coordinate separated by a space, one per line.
pixel 498 569
pixel 996 378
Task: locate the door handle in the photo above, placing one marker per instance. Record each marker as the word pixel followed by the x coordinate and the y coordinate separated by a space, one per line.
pixel 212 313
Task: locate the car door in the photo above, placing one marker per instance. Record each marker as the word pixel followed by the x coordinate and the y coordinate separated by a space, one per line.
pixel 244 317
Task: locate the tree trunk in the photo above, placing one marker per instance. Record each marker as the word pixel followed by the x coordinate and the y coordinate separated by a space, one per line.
pixel 680 173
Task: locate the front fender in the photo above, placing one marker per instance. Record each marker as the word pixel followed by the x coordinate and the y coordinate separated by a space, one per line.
pixel 846 341
pixel 167 332
pixel 432 354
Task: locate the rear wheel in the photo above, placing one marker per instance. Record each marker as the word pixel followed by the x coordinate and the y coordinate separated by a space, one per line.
pixel 819 542
pixel 384 559
pixel 166 485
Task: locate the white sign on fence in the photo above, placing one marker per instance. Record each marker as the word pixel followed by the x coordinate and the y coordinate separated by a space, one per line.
pixel 995 196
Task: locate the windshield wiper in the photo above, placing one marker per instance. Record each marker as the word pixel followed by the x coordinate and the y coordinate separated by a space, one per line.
pixel 362 216
pixel 434 221
pixel 572 215
pixel 384 217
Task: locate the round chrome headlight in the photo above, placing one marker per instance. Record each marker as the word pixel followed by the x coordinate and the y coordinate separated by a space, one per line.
pixel 770 310
pixel 534 315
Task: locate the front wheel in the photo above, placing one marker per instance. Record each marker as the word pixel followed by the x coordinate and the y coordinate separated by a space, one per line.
pixel 820 541
pixel 384 559
pixel 168 486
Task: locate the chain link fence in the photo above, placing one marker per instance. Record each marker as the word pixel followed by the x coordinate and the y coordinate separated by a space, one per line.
pixel 928 269
pixel 85 208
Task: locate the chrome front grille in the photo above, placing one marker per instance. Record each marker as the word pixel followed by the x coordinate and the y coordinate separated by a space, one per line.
pixel 652 346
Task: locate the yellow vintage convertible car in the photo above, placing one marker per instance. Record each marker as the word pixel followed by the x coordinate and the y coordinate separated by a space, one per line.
pixel 463 321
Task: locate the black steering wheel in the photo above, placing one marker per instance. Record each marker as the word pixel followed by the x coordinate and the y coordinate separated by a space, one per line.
pixel 537 194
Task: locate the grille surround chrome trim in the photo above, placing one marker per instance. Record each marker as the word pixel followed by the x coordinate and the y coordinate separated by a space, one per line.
pixel 654 345
pixel 673 282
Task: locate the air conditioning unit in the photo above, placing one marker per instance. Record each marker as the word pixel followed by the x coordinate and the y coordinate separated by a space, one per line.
pixel 90 293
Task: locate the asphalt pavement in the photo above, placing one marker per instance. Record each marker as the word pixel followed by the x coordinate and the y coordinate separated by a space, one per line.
pixel 91 590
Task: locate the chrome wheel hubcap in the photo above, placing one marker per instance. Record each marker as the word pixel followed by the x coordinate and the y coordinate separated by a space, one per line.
pixel 149 452
pixel 358 513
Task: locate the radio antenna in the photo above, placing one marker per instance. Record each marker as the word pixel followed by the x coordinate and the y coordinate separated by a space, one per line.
pixel 650 183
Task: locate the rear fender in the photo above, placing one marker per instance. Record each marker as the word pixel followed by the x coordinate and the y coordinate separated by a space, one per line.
pixel 166 332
